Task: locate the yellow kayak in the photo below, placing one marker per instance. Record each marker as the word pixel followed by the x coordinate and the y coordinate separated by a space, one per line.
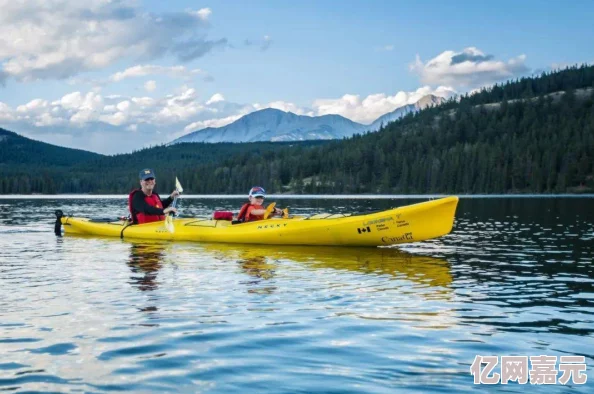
pixel 411 223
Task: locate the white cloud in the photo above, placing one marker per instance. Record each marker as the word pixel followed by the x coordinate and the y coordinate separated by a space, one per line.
pixel 47 119
pixel 108 123
pixel 284 106
pixel 216 98
pixel 370 108
pixel 150 86
pixel 35 105
pixel 56 39
pixel 203 13
pixel 145 102
pixel 149 69
pixel 469 68
pixel 78 109
pixel 123 106
pixel 6 113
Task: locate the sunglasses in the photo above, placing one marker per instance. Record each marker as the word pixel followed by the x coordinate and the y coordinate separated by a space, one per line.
pixel 262 197
pixel 149 179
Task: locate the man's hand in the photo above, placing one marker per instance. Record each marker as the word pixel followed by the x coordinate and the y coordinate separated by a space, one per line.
pixel 174 194
pixel 167 210
pixel 278 211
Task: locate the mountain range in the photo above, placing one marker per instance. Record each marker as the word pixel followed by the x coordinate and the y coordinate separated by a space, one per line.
pixel 275 125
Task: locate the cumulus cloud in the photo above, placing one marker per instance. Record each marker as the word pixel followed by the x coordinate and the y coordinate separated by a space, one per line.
pixel 115 123
pixel 6 112
pixel 366 110
pixel 89 120
pixel 470 68
pixel 49 39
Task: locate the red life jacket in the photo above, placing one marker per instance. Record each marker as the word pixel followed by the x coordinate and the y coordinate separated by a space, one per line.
pixel 241 216
pixel 243 212
pixel 153 200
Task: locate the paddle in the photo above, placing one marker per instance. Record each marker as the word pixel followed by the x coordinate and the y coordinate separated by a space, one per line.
pixel 169 218
pixel 269 210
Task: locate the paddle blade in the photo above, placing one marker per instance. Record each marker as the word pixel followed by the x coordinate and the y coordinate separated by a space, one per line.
pixel 286 213
pixel 178 185
pixel 269 210
pixel 169 224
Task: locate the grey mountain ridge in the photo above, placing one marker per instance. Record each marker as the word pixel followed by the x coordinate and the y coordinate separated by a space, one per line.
pixel 276 125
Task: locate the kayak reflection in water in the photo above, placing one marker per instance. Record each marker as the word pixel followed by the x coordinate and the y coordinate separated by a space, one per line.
pixel 258 268
pixel 260 261
pixel 145 262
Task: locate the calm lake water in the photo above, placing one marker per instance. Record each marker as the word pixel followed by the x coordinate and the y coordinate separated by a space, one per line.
pixel 515 277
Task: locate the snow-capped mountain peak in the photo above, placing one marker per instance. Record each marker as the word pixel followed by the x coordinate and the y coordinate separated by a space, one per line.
pixel 275 125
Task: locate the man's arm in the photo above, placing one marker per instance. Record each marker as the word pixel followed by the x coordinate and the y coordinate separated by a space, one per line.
pixel 141 206
pixel 166 202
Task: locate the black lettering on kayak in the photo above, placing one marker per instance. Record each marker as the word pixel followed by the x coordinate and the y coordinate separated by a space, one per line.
pixel 404 237
pixel 272 226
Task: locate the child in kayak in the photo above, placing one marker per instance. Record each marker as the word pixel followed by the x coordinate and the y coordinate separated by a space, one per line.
pixel 253 210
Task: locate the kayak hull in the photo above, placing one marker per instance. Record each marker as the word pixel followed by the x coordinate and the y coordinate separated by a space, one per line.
pixel 411 223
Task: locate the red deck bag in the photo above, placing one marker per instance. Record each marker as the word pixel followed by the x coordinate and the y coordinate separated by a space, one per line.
pixel 222 215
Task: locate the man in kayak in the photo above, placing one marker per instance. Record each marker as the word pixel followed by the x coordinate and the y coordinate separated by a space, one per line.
pixel 253 210
pixel 145 205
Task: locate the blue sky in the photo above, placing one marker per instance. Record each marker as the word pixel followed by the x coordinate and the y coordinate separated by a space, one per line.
pixel 116 76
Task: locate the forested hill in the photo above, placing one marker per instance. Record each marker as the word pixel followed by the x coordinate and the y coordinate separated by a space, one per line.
pixel 28 166
pixel 17 150
pixel 534 135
